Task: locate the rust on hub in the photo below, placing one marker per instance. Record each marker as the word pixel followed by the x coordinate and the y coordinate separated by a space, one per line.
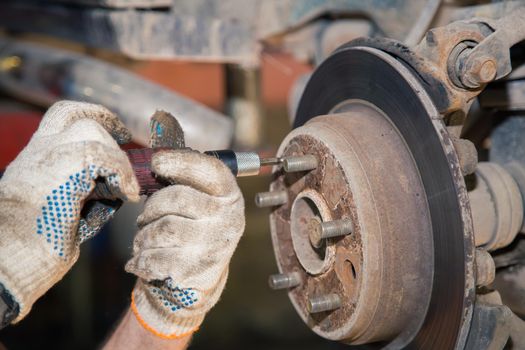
pixel 367 195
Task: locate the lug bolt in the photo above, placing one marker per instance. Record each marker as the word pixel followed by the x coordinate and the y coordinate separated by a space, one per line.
pixel 322 230
pixel 284 280
pixel 322 303
pixel 270 199
pixel 300 163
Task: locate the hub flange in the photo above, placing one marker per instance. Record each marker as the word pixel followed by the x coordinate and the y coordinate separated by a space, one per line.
pixel 372 181
pixel 367 175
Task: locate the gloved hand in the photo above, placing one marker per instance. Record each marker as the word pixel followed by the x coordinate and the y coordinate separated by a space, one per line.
pixel 43 192
pixel 188 233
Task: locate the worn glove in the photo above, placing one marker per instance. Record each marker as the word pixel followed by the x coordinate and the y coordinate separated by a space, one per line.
pixel 188 233
pixel 43 192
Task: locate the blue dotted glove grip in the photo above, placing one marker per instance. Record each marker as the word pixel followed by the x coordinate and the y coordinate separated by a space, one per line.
pixel 60 223
pixel 173 297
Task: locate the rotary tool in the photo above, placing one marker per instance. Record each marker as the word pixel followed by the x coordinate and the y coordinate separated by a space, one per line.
pixel 167 134
pixel 240 164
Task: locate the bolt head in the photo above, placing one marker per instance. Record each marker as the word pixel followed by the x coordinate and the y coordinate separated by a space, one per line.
pixel 309 306
pixel 315 232
pixel 482 70
pixel 487 71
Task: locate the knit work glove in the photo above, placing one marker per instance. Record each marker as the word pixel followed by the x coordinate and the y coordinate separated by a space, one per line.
pixel 43 191
pixel 188 233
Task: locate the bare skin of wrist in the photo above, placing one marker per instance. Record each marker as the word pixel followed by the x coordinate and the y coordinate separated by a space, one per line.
pixel 131 335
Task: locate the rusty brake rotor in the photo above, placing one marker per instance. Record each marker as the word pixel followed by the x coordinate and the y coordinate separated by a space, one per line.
pixel 402 275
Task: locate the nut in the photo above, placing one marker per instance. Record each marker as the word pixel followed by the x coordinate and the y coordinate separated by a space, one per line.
pixel 482 70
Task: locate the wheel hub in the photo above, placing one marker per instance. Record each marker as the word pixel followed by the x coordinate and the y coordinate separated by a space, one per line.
pixel 364 171
pixel 387 166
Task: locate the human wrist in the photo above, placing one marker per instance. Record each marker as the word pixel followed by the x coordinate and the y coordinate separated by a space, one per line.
pixel 131 335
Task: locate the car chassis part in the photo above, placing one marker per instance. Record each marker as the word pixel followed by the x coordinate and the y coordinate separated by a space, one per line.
pixel 383 121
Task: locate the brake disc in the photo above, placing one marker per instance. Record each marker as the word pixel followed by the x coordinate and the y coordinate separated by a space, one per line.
pixel 404 277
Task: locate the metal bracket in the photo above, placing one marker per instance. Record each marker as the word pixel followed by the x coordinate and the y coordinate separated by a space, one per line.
pixel 489 329
pixel 493 326
pixel 490 59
